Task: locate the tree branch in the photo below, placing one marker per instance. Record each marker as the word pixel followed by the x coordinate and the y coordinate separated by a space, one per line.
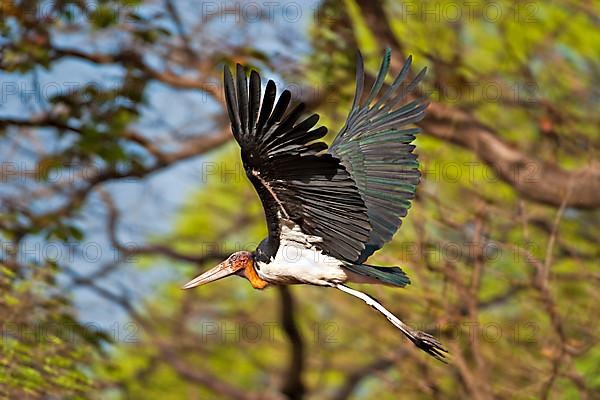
pixel 355 378
pixel 535 179
pixel 293 387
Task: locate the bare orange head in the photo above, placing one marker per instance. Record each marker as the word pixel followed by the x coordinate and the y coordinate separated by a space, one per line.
pixel 240 263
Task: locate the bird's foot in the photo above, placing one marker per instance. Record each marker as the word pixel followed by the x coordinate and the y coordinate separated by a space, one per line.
pixel 430 345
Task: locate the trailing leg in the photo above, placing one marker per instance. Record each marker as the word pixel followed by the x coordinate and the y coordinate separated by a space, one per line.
pixel 422 340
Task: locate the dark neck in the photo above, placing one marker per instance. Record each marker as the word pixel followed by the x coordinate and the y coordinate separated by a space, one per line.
pixel 266 250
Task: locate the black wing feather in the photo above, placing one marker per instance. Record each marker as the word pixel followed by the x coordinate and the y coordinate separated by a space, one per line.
pixel 293 176
pixel 232 108
pixel 266 108
pixel 254 100
pixel 375 146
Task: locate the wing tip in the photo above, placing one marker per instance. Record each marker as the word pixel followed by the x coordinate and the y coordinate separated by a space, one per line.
pixel 227 76
pixel 387 53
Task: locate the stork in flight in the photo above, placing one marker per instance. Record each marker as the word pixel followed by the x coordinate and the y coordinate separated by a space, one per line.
pixel 327 209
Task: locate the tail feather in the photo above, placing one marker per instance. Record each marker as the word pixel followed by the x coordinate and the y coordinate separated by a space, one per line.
pixel 393 276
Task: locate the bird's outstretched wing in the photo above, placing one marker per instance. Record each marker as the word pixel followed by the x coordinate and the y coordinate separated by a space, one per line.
pixel 296 180
pixel 375 146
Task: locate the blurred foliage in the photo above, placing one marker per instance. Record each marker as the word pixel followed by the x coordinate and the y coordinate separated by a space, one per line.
pixel 45 352
pixel 473 246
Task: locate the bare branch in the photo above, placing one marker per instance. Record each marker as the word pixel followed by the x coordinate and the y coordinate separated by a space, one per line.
pixel 293 387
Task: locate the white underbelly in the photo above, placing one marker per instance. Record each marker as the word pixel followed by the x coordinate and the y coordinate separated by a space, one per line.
pixel 295 263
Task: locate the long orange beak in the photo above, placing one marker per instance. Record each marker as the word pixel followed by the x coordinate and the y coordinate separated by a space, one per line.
pixel 222 270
